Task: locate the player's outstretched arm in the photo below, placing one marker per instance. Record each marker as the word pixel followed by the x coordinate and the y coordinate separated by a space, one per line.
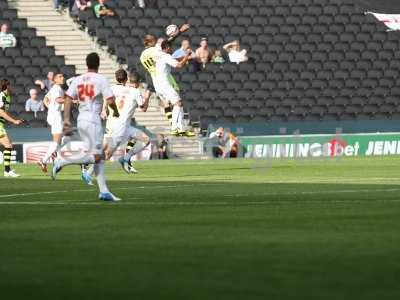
pixel 146 101
pixel 182 29
pixel 46 101
pixel 6 116
pixel 184 61
pixel 60 100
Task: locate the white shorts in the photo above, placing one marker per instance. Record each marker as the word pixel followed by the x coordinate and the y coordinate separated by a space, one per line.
pixel 92 136
pixel 56 124
pixel 56 127
pixel 121 135
pixel 167 92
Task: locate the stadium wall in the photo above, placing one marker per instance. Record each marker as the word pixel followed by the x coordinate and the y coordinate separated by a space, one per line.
pixel 317 146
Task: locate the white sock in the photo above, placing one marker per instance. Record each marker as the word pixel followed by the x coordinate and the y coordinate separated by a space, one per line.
pixel 137 148
pixel 101 178
pixel 180 119
pixel 175 116
pixel 81 160
pixel 52 148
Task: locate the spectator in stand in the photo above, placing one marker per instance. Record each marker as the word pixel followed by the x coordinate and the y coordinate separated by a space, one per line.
pixel 236 55
pixel 183 50
pixel 217 58
pixel 141 3
pixel 71 4
pixel 162 147
pixel 203 53
pixel 224 144
pixel 34 104
pixel 6 39
pixel 101 9
pixel 46 84
pixel 80 5
pixel 57 5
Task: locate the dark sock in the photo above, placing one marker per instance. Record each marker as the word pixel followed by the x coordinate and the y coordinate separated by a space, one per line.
pixel 168 112
pixel 7 159
pixel 129 146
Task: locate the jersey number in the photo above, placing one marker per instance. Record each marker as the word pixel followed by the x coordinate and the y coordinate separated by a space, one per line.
pixel 149 63
pixel 86 92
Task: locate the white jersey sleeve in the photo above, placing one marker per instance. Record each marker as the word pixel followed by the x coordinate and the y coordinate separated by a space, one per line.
pixel 56 92
pixel 169 60
pixel 72 91
pixel 1 102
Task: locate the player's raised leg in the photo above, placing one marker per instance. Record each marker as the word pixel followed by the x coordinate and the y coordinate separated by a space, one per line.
pixel 54 101
pixel 141 142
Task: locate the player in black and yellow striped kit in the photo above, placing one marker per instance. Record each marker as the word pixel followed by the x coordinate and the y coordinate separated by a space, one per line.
pixel 5 102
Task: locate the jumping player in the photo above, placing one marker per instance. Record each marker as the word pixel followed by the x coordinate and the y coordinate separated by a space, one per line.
pixel 164 87
pixel 89 89
pixel 148 59
pixel 54 101
pixel 5 102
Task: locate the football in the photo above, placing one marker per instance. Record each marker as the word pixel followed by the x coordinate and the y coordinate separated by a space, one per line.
pixel 171 30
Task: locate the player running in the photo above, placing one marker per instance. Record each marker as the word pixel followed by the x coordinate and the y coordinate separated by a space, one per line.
pixel 118 129
pixel 5 102
pixel 54 101
pixel 89 89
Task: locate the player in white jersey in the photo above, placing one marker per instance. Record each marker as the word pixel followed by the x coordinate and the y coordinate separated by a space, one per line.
pixel 164 87
pixel 118 129
pixel 89 89
pixel 54 100
pixel 148 59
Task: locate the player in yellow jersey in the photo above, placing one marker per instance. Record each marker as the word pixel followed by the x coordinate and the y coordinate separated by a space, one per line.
pixel 5 102
pixel 149 59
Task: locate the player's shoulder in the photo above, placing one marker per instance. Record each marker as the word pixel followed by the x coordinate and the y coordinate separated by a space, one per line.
pixel 134 91
pixel 117 87
pixel 55 88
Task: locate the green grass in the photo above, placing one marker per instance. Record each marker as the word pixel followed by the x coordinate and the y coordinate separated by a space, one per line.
pixel 238 229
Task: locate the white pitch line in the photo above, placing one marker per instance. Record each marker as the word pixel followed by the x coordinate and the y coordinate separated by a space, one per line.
pixel 312 192
pixel 89 190
pixel 194 203
pixel 215 203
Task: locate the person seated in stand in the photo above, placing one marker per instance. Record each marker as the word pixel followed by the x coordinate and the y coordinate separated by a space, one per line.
pixel 225 144
pixel 203 53
pixel 182 51
pixel 34 104
pixel 236 54
pixel 103 10
pixel 80 5
pixel 7 39
pixel 162 146
pixel 217 57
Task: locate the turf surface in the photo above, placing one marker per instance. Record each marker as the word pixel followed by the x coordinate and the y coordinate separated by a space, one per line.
pixel 238 229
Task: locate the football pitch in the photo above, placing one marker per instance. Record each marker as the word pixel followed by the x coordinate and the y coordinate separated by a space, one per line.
pixel 226 229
